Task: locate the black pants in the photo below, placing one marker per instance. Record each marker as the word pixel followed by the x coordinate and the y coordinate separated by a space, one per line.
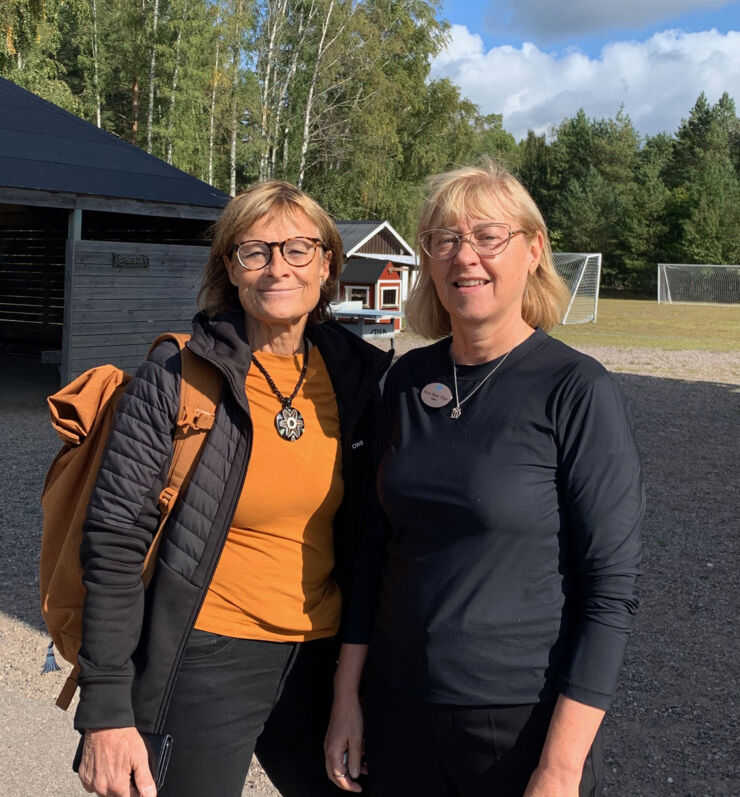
pixel 434 750
pixel 236 697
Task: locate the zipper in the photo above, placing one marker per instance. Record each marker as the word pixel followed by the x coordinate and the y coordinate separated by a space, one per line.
pixel 167 693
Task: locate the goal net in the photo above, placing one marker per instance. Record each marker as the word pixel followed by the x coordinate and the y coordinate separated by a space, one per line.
pixel 582 273
pixel 683 282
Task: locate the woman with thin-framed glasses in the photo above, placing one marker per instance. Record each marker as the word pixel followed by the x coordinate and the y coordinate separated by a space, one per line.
pixel 496 587
pixel 233 648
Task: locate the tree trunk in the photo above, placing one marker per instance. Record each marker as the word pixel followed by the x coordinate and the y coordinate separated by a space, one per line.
pixel 234 126
pixel 173 87
pixel 152 66
pixel 303 25
pixel 212 120
pixel 285 151
pixel 135 110
pixel 96 77
pixel 274 25
pixel 311 92
pixel 234 120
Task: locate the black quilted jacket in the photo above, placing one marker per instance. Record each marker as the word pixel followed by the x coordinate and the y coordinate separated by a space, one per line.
pixel 132 642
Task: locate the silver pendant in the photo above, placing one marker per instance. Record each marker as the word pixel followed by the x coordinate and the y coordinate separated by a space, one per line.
pixel 456 412
pixel 436 395
pixel 289 424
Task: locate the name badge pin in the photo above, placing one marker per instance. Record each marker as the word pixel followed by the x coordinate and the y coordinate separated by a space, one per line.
pixel 436 395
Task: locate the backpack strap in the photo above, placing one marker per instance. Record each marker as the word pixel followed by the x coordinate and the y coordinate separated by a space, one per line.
pixel 200 391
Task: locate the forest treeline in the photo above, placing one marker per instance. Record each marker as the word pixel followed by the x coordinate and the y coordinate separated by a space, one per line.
pixel 336 96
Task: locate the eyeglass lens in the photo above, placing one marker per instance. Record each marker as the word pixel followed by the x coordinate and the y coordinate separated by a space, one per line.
pixel 257 254
pixel 486 240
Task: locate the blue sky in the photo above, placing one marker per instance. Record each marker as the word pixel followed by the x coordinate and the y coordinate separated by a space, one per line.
pixel 538 61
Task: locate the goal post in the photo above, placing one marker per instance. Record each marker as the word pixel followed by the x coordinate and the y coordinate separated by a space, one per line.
pixel 698 283
pixel 582 274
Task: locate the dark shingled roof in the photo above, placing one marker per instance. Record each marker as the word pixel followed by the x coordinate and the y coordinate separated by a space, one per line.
pixel 353 232
pixel 362 271
pixel 43 147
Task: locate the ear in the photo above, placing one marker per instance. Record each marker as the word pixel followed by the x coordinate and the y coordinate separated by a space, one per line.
pixel 536 246
pixel 231 270
pixel 325 270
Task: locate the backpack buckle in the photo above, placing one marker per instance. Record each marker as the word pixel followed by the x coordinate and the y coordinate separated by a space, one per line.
pixel 167 498
pixel 198 421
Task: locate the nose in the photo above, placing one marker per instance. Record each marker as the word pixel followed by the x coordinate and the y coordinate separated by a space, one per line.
pixel 466 253
pixel 278 265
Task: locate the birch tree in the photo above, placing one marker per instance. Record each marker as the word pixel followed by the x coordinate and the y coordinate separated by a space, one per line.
pixel 175 76
pixel 324 44
pixel 215 75
pixel 152 76
pixel 273 31
pixel 95 61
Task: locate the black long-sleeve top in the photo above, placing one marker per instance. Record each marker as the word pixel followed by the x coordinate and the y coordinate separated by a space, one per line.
pixel 504 560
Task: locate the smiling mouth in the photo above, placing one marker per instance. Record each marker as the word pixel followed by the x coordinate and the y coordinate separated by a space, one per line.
pixel 469 283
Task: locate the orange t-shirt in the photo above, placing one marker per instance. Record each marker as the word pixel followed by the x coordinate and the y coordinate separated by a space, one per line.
pixel 274 578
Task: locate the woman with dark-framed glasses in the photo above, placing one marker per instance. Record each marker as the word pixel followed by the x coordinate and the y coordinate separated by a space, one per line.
pixel 233 647
pixel 497 582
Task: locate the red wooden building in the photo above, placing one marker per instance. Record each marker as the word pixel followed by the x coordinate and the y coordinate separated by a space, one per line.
pixel 377 264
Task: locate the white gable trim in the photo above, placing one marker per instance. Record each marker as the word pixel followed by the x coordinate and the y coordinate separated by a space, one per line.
pixel 383 226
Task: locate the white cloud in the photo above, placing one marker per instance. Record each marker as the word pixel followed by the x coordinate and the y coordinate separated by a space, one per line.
pixel 658 80
pixel 543 20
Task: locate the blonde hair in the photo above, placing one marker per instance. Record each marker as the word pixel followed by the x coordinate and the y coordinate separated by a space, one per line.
pixel 217 294
pixel 478 191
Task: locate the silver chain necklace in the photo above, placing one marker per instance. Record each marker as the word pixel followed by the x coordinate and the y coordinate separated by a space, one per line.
pixel 456 410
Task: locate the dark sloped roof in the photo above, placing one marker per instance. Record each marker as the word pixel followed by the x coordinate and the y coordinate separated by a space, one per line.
pixel 360 270
pixel 43 147
pixel 354 232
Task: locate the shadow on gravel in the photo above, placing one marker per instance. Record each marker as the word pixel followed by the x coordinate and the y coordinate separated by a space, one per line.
pixel 672 724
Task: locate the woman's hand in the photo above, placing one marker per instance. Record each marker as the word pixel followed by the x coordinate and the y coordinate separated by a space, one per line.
pixel 547 782
pixel 572 730
pixel 344 744
pixel 115 764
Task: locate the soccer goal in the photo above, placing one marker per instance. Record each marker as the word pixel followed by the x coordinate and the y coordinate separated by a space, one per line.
pixel 706 284
pixel 582 273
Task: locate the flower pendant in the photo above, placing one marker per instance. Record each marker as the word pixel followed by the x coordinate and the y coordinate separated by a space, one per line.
pixel 289 424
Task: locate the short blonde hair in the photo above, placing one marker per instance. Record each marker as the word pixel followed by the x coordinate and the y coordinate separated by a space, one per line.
pixel 480 191
pixel 217 294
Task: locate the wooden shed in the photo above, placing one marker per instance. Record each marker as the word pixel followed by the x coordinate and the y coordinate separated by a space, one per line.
pixel 101 245
pixel 377 266
pixel 376 283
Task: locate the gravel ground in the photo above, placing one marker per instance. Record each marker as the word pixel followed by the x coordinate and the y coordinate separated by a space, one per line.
pixel 673 729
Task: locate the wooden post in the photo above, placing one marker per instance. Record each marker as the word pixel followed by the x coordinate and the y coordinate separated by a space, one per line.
pixel 74 234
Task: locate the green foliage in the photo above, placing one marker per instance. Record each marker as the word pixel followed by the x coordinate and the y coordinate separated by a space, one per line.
pixel 336 95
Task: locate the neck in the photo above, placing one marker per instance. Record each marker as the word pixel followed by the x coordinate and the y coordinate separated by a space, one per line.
pixel 285 339
pixel 477 343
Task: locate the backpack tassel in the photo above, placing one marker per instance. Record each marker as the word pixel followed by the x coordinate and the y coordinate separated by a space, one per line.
pixel 50 665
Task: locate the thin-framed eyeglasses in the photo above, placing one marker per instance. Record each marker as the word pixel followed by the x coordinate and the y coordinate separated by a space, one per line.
pixel 298 251
pixel 486 240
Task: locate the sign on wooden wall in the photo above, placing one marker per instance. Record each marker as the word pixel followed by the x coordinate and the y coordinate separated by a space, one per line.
pixel 111 315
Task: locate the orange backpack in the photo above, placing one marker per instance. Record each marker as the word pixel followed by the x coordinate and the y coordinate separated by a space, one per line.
pixel 82 413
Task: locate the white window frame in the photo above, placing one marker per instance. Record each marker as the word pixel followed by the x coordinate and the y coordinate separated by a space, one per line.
pixel 395 287
pixel 348 289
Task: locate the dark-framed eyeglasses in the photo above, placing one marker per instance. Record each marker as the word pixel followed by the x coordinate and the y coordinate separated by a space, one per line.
pixel 254 255
pixel 486 240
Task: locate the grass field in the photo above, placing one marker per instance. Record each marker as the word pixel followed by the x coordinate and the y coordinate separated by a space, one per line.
pixel 645 324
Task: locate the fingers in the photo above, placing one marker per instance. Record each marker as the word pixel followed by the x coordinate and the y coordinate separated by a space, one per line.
pixel 338 771
pixel 142 781
pixel 353 758
pixel 115 764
